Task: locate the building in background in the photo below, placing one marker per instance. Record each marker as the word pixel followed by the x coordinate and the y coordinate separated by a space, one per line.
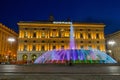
pixel 113 45
pixel 8 44
pixel 37 37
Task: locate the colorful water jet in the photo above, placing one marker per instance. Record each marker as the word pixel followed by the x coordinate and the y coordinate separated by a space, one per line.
pixel 72 42
pixel 74 55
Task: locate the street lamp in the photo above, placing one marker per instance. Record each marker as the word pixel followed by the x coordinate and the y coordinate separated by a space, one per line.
pixel 111 43
pixel 11 40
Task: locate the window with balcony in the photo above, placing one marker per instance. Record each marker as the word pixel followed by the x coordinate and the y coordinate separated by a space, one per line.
pixel 97 36
pixel 25 48
pixel 89 36
pixel 25 34
pixel 43 35
pixel 42 48
pixel 81 35
pixel 34 34
pixel 34 48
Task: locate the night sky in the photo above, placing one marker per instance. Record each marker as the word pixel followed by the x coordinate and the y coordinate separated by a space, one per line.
pixel 101 11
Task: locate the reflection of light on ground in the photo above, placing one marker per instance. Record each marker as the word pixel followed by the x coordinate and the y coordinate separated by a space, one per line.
pixel 9 68
pixel 114 69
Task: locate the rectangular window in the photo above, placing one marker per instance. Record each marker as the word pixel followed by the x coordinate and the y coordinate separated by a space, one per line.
pixel 25 47
pixel 62 34
pixel 89 36
pixel 97 36
pixel 42 48
pixel 34 34
pixel 81 35
pixel 25 34
pixel 34 48
pixel 43 35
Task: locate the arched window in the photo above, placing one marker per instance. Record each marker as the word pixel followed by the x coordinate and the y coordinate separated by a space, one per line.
pixel 33 57
pixel 24 57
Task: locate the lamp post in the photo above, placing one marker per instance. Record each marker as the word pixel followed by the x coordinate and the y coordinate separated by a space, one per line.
pixel 111 43
pixel 11 40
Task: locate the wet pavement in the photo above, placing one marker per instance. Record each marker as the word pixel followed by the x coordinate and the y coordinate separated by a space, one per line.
pixel 58 69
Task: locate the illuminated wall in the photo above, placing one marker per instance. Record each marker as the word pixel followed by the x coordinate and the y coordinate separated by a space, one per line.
pixel 8 50
pixel 113 49
pixel 36 38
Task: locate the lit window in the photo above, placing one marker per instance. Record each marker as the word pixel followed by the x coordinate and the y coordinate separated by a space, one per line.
pixel 24 57
pixel 34 48
pixel 43 35
pixel 89 35
pixel 42 48
pixel 25 34
pixel 81 35
pixel 33 57
pixel 34 34
pixel 54 34
pixel 25 47
pixel 97 36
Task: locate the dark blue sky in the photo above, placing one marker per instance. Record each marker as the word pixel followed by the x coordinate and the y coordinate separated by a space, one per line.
pixel 106 11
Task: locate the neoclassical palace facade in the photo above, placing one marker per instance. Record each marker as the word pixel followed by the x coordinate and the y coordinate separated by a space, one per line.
pixel 37 37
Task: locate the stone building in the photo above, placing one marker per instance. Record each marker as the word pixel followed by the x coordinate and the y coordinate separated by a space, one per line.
pixel 113 45
pixel 8 44
pixel 37 37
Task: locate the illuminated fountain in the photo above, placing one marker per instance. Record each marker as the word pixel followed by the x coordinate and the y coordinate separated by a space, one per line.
pixel 74 55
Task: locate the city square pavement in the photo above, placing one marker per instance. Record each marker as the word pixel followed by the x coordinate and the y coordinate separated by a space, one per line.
pixel 60 72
